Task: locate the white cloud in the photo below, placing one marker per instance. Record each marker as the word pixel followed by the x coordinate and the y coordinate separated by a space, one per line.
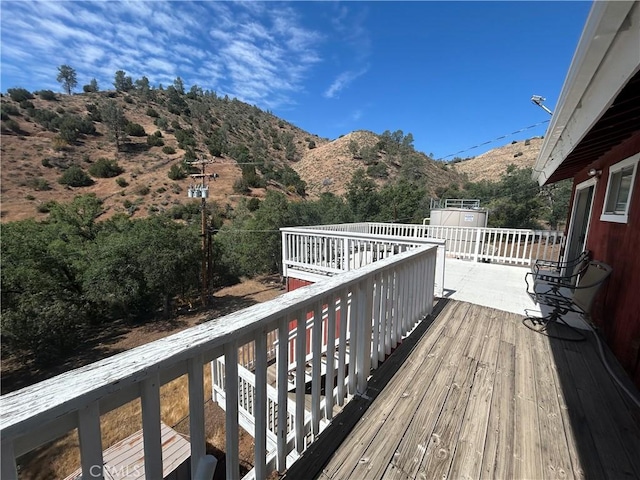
pixel 342 81
pixel 260 53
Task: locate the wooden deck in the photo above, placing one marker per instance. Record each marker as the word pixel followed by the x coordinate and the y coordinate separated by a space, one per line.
pixel 481 396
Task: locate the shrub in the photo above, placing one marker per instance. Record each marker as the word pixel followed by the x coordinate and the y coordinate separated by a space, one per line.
pixel 59 144
pixel 94 112
pixel 135 130
pixel 241 186
pixel 154 141
pixel 253 204
pixel 162 123
pixel 46 163
pixel 19 94
pixel 312 144
pixel 143 190
pixel 27 104
pixel 46 95
pixel 122 182
pixel 378 170
pixel 168 149
pixel 45 207
pixel 177 172
pixel 157 133
pixel 105 168
pixel 10 109
pixel 39 184
pixel 152 113
pixel 74 176
pixel 12 125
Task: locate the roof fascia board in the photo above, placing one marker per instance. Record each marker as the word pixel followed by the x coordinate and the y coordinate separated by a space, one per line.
pixel 606 57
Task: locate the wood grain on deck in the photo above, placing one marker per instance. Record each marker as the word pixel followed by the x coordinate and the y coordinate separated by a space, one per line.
pixel 481 396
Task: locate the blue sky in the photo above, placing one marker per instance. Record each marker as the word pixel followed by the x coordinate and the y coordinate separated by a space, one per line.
pixel 453 74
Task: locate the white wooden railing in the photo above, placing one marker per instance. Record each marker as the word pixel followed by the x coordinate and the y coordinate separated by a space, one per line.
pixel 499 245
pixel 386 300
pixel 313 253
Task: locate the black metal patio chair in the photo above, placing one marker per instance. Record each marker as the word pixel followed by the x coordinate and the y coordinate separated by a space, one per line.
pixel 560 300
pixel 557 273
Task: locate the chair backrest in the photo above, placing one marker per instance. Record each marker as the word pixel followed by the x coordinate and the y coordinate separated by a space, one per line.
pixel 580 267
pixel 589 283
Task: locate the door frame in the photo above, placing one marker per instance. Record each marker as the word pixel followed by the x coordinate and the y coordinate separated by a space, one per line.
pixel 571 237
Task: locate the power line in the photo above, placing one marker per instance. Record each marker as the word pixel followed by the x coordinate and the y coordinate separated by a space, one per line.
pixel 495 139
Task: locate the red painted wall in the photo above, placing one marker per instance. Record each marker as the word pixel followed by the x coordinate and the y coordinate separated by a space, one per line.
pixel 617 309
pixel 295 283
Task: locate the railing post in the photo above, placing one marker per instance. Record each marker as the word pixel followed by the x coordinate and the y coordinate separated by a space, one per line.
pixel 285 254
pixel 342 344
pixel 150 393
pixel 283 384
pixel 331 350
pixel 479 235
pixel 90 441
pixel 316 364
pixel 301 346
pixel 8 461
pixel 231 419
pixel 197 436
pixel 260 405
pixel 363 359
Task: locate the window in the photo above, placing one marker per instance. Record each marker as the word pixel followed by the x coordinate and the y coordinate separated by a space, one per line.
pixel 619 190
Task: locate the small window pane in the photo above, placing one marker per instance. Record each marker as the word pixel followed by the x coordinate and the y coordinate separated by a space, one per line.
pixel 623 190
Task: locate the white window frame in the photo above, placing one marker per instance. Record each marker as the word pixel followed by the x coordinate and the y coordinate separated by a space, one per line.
pixel 620 217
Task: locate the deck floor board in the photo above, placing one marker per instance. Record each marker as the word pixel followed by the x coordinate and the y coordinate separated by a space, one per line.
pixel 482 396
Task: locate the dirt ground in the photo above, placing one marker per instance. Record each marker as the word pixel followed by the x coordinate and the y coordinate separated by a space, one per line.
pixel 120 337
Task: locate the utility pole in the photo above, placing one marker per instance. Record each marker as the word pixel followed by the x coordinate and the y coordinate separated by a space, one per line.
pixel 200 189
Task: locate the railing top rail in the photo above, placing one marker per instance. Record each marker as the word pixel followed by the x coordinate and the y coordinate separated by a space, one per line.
pixel 37 404
pixel 344 227
pixel 367 236
pixel 344 230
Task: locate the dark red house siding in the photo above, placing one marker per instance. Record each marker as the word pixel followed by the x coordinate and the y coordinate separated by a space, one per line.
pixel 295 283
pixel 617 309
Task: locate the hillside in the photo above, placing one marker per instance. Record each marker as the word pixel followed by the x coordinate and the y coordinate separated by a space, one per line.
pixel 492 164
pixel 249 149
pixel 34 157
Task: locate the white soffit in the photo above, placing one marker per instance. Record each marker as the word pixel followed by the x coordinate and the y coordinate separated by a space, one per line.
pixel 608 55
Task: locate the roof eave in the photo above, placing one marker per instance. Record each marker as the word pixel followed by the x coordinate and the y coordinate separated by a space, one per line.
pixel 606 57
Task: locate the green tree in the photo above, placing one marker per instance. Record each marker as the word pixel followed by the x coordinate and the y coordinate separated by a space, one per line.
pixel 92 87
pixel 113 117
pixel 178 84
pixel 518 203
pixel 122 82
pixel 403 202
pixel 43 311
pixel 556 198
pixel 67 77
pixel 362 197
pixel 143 87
